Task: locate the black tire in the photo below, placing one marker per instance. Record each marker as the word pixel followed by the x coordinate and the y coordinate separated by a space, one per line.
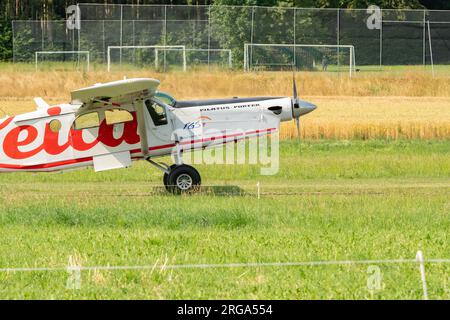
pixel 183 179
pixel 166 177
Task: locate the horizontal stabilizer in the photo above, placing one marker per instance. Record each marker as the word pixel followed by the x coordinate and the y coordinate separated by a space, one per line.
pixel 40 103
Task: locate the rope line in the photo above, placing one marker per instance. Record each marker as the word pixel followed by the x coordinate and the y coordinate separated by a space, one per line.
pixel 225 265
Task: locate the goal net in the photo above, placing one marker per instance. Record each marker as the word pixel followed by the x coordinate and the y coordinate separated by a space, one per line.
pixel 308 57
pixel 62 60
pixel 222 58
pixel 157 57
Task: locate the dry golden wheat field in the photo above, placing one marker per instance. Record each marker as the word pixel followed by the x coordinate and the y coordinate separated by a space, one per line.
pixel 410 105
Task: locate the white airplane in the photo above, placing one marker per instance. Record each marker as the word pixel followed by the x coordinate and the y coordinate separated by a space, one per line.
pixel 106 126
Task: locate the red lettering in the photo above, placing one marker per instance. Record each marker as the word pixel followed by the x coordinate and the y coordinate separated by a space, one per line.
pixel 129 135
pixel 78 142
pixel 11 143
pixel 51 144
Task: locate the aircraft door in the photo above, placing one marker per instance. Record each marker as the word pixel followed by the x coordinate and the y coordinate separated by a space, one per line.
pixel 160 127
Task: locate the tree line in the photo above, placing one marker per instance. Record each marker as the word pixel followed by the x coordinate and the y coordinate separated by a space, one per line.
pixel 55 9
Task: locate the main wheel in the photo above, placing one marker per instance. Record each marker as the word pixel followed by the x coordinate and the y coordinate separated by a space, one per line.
pixel 166 177
pixel 182 179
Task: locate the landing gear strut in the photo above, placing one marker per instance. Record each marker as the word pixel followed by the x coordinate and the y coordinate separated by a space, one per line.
pixel 179 178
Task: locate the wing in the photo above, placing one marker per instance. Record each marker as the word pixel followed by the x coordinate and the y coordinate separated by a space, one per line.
pixel 109 90
pixel 105 92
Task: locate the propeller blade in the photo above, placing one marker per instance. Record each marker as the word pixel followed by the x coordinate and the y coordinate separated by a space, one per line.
pixel 297 122
pixel 295 104
pixel 295 86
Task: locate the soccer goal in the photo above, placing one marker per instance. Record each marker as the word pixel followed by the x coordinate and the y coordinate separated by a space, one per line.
pixel 218 57
pixel 309 57
pixel 74 59
pixel 142 56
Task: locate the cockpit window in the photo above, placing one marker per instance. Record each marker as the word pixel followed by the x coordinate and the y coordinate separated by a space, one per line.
pixel 157 112
pixel 114 116
pixel 87 120
pixel 166 98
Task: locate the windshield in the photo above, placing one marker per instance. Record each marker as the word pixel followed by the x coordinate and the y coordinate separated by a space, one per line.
pixel 166 98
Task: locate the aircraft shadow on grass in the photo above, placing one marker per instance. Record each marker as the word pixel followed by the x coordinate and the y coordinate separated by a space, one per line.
pixel 229 190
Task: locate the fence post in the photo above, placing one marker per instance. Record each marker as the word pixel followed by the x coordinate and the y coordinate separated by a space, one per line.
pixel 209 32
pixel 104 40
pixel 295 41
pixel 339 42
pixel 424 38
pixel 381 40
pixel 251 37
pixel 245 57
pixel 258 190
pixel 351 60
pixel 419 258
pixel 108 58
pixel 431 48
pixel 165 37
pixel 121 32
pixel 79 27
pixel 13 42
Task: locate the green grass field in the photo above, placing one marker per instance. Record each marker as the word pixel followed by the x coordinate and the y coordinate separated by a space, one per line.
pixel 332 200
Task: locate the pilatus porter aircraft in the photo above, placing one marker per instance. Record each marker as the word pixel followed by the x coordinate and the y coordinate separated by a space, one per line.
pixel 106 126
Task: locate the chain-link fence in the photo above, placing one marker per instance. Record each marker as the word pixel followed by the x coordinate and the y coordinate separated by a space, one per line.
pixel 218 35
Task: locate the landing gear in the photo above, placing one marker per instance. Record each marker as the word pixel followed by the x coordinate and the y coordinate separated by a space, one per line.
pixel 166 177
pixel 181 179
pixel 178 178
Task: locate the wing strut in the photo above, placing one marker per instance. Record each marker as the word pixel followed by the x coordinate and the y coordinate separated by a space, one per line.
pixel 142 128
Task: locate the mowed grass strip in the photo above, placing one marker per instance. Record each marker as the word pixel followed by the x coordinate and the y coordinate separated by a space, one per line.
pixel 300 161
pixel 331 201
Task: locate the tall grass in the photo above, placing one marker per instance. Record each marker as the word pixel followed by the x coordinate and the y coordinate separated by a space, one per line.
pixel 410 105
pixel 15 82
pixel 360 130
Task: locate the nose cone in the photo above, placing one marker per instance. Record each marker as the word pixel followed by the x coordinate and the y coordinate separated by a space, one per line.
pixel 306 107
pixel 302 107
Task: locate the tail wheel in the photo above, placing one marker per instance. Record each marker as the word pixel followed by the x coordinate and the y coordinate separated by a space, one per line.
pixel 183 179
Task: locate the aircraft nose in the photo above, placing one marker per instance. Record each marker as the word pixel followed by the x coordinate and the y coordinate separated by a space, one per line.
pixel 306 107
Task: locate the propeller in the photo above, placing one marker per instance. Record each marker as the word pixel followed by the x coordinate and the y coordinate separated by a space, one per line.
pixel 299 107
pixel 295 105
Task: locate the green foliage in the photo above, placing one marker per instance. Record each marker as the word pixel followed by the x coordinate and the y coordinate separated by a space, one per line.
pixel 6 53
pixel 232 28
pixel 23 41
